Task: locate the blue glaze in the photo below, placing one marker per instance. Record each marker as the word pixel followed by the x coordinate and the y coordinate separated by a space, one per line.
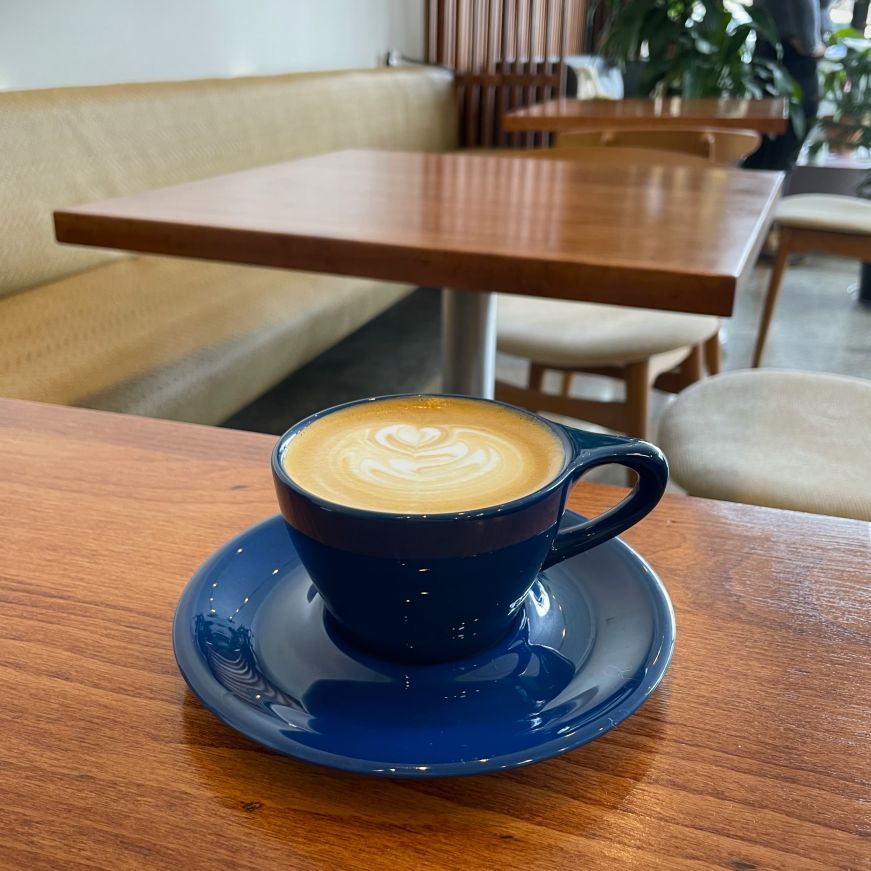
pixel 429 588
pixel 255 643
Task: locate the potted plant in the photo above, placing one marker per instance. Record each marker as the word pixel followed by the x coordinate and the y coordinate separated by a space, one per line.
pixel 696 48
pixel 845 82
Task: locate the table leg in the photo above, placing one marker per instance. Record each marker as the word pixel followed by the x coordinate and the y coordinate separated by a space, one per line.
pixel 468 342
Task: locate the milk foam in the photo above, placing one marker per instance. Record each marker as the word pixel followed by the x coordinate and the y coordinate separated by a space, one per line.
pixel 424 455
pixel 434 456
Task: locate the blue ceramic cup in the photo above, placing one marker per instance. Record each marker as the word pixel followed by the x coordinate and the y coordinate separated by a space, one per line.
pixel 429 588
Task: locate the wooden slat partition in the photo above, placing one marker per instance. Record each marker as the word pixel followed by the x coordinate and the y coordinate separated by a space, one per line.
pixel 506 54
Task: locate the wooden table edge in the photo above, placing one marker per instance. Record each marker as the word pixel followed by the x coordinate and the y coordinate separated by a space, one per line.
pixel 520 121
pixel 763 226
pixel 697 292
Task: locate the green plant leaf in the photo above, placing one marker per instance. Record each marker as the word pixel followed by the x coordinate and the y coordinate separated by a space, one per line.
pixel 698 48
pixel 846 33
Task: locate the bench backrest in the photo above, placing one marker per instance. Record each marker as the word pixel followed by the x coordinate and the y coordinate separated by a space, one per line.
pixel 65 146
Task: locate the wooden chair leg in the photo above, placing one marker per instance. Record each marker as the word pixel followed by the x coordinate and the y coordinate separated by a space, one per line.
pixel 637 398
pixel 780 262
pixel 712 354
pixel 691 370
pixel 536 376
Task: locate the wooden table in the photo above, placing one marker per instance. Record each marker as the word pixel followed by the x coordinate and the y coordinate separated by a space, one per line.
pixel 764 116
pixel 753 753
pixel 662 237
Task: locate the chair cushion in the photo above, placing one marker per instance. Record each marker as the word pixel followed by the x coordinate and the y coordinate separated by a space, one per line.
pixel 178 339
pixel 576 334
pixel 796 440
pixel 824 212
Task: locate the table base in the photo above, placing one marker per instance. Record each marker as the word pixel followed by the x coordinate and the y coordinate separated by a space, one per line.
pixel 468 343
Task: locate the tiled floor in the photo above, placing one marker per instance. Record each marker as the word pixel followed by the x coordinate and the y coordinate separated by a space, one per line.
pixel 818 325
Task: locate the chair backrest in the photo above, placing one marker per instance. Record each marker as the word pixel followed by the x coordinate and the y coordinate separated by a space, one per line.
pixel 713 143
pixel 610 156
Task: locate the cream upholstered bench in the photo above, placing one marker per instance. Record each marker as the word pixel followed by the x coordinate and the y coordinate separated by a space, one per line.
pixel 171 338
pixel 636 346
pixel 814 222
pixel 785 439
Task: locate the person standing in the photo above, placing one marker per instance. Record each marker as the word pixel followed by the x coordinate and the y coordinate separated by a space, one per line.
pixel 798 24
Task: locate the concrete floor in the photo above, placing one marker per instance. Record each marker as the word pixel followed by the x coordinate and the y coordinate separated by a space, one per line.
pixel 818 325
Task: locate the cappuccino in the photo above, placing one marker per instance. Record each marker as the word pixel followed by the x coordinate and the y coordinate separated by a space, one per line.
pixel 424 455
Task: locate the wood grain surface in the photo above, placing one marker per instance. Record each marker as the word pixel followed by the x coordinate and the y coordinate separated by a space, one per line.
pixel 679 238
pixel 753 753
pixel 764 116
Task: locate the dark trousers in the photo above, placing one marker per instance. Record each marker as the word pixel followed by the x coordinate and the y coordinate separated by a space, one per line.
pixel 781 152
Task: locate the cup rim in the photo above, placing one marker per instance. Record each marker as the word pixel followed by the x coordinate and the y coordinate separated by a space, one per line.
pixel 498 510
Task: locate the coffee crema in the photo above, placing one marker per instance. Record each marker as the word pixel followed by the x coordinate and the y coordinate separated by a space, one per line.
pixel 423 455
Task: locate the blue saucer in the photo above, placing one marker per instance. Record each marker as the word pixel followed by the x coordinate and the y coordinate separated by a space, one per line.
pixel 253 642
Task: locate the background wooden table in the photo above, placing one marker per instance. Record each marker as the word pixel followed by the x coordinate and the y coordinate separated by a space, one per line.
pixel 752 754
pixel 677 238
pixel 764 116
pixel 663 237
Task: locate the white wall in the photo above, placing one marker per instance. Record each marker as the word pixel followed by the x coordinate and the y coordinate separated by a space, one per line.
pixel 47 43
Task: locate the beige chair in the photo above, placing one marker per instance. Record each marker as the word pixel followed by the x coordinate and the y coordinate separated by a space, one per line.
pixel 814 222
pixel 796 440
pixel 639 347
pixel 711 143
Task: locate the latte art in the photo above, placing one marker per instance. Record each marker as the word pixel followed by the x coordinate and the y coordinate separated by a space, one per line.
pixel 437 456
pixel 424 455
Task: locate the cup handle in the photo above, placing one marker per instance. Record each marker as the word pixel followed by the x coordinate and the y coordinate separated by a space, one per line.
pixel 591 450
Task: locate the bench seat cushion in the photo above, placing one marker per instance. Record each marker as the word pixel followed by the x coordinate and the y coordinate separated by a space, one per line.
pixel 178 339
